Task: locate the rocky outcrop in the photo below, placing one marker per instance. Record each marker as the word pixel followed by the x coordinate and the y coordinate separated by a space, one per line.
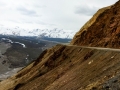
pixel 102 30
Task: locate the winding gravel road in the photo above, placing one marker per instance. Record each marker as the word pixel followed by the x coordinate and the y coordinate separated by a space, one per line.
pixel 98 48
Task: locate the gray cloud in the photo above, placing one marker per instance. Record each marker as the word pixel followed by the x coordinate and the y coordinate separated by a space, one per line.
pixel 44 23
pixel 26 11
pixel 15 21
pixel 38 6
pixel 31 21
pixel 86 10
pixel 41 14
pixel 2 3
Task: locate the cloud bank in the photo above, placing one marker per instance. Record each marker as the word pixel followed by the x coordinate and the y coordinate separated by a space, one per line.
pixel 45 14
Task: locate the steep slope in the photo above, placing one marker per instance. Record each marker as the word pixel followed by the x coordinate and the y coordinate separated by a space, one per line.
pixel 75 67
pixel 103 30
pixel 66 68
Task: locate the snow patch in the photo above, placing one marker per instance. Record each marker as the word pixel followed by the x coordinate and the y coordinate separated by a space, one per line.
pixel 10 41
pixel 21 44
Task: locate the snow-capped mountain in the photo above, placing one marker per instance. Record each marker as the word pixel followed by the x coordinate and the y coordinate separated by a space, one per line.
pixel 54 33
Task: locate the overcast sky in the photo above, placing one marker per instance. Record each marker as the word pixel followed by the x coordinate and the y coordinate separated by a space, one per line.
pixel 49 14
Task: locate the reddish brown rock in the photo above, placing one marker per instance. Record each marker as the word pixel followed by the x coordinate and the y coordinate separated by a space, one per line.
pixel 102 30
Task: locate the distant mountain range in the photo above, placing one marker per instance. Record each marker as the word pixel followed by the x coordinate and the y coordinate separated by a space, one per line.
pixel 43 33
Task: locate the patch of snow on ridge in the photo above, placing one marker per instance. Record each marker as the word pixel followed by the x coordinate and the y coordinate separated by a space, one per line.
pixel 10 41
pixel 21 44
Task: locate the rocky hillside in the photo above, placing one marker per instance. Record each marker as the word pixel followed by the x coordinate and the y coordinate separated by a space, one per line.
pixel 68 68
pixel 75 67
pixel 103 30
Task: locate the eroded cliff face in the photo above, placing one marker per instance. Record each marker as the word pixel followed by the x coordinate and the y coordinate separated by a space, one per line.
pixel 103 30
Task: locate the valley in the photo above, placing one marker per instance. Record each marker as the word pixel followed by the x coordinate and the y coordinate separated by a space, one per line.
pixel 17 52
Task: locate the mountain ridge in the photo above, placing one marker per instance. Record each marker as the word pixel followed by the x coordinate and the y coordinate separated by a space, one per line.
pixel 41 33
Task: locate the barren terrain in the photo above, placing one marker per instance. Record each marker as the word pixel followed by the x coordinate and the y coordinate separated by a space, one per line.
pixel 68 68
pixel 90 62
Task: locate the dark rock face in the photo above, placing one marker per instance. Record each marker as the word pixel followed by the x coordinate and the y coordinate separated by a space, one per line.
pixel 104 31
